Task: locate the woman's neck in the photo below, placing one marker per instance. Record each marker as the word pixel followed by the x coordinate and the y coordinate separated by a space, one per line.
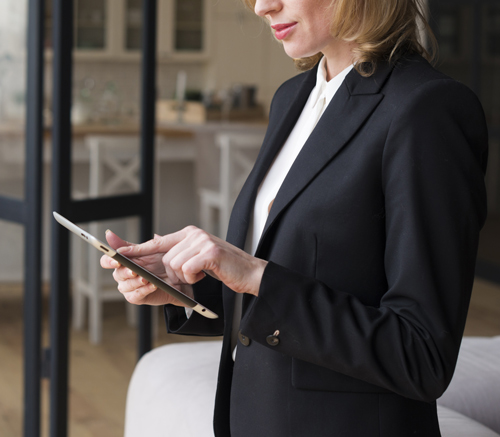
pixel 338 58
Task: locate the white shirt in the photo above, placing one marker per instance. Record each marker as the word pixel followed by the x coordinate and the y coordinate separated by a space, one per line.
pixel 318 101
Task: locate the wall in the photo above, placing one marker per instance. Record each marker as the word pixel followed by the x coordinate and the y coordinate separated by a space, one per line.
pixel 244 51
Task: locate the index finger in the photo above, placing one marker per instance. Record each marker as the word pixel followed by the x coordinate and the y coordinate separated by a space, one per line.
pixel 151 247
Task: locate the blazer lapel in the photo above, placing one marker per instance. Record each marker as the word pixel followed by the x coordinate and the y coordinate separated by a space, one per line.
pixel 288 111
pixel 352 104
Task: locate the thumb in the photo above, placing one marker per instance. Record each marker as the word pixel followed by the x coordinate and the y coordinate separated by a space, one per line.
pixel 115 241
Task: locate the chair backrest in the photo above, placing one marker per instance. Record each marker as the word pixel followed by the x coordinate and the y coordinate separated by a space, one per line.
pixel 238 152
pixel 114 164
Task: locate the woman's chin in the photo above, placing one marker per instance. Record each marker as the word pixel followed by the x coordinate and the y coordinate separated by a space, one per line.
pixel 297 52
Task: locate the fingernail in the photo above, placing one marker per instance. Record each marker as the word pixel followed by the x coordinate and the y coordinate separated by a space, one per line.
pixel 115 264
pixel 107 230
pixel 131 273
pixel 157 236
pixel 144 281
pixel 123 249
pixel 152 287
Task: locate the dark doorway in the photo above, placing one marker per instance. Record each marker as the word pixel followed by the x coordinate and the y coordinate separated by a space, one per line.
pixel 468 33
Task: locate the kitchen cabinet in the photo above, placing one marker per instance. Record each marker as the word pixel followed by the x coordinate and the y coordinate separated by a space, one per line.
pixel 112 30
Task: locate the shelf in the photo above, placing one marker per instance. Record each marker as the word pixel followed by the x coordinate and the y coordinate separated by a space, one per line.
pixel 189 27
pixel 91 25
pixel 254 114
pixel 133 56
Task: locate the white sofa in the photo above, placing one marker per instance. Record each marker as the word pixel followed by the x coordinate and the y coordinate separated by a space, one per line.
pixel 171 392
pixel 474 391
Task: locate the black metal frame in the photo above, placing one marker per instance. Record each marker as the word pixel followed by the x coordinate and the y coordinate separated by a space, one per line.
pixel 28 212
pixel 33 220
pixel 103 208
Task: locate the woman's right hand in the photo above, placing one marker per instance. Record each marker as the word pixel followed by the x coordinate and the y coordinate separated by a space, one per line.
pixel 135 289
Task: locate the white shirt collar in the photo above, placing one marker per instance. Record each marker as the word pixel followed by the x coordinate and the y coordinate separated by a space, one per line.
pixel 324 89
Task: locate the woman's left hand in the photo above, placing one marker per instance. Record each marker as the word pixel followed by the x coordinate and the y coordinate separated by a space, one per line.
pixel 191 253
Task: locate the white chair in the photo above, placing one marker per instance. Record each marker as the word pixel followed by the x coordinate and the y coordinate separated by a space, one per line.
pixel 475 389
pixel 114 168
pixel 237 156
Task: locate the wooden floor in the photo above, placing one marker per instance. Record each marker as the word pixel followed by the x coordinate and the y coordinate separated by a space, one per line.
pixel 99 375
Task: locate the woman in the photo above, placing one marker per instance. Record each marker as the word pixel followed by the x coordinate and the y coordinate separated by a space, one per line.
pixel 360 225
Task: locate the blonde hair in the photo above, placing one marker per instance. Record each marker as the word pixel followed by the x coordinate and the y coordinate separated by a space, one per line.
pixel 383 30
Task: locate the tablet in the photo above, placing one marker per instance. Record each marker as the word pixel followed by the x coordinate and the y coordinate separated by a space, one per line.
pixel 141 271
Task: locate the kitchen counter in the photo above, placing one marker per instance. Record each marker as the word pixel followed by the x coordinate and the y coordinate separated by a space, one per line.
pixel 82 130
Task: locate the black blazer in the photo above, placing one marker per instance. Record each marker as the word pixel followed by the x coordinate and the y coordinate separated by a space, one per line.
pixel 371 243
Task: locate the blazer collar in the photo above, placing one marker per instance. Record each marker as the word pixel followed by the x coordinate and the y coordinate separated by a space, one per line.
pixel 355 100
pixel 358 85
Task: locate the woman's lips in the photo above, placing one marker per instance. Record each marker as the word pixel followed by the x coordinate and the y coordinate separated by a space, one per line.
pixel 282 30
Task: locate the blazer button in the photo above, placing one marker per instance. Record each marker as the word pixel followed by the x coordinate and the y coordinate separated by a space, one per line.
pixel 273 340
pixel 245 341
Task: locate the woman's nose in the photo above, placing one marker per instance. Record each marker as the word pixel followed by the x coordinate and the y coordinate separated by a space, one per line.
pixel 266 7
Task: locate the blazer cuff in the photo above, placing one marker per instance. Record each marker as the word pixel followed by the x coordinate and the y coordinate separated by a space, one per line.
pixel 208 292
pixel 260 319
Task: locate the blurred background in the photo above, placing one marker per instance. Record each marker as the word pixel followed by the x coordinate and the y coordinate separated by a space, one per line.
pixel 217 70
